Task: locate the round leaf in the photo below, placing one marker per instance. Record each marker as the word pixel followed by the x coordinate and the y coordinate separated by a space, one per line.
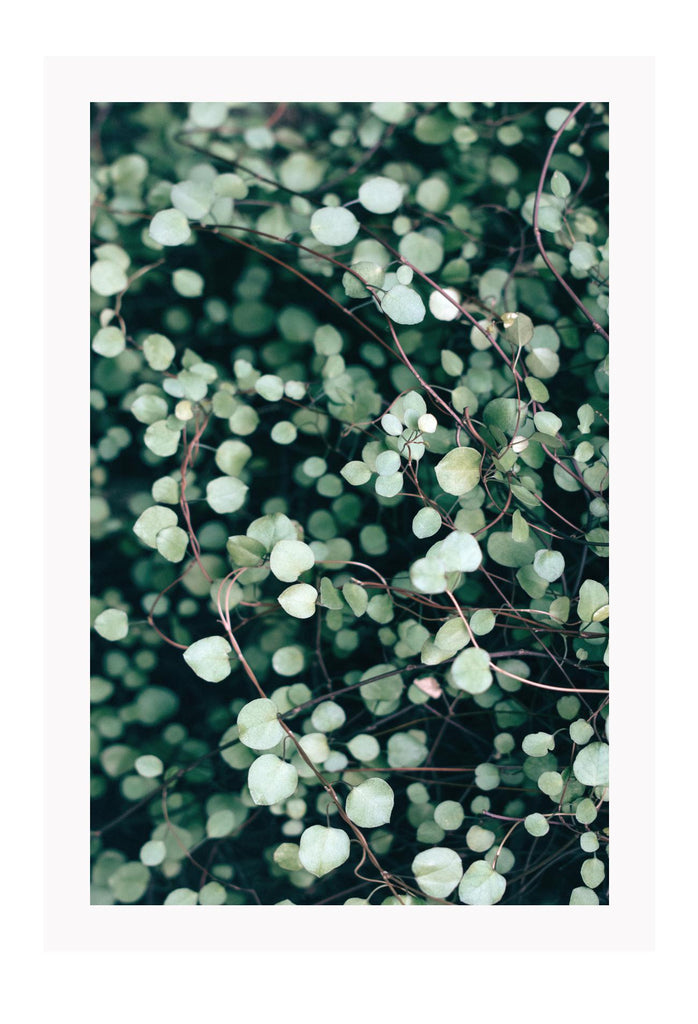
pixel 370 803
pixel 403 305
pixel 590 766
pixel 437 871
pixel 459 471
pixel 322 849
pixel 380 195
pixel 426 523
pixel 258 724
pixel 481 885
pixel 290 558
pixel 299 600
pixel 169 227
pixel 112 624
pixel 334 225
pixel 226 493
pixel 271 780
pixel 210 658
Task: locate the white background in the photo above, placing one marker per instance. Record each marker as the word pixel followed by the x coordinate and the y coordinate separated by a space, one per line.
pixel 529 967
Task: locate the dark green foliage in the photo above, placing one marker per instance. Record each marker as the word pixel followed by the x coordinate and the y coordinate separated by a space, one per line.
pixel 350 484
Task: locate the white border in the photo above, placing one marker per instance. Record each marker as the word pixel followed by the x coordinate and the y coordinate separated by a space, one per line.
pixel 71 924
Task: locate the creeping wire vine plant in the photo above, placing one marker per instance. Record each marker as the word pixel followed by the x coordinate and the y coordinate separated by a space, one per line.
pixel 350 503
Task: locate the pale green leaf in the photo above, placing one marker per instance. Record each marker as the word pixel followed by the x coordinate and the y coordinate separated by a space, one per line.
pixel 271 780
pixel 112 624
pixel 481 885
pixel 169 227
pixel 322 849
pixel 459 471
pixel 290 558
pixel 370 803
pixel 258 724
pixel 299 600
pixel 437 871
pixel 210 658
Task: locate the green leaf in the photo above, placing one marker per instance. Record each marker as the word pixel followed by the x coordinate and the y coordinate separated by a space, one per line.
pixel 271 780
pixel 149 766
pixel 547 423
pixel 585 812
pixel 289 559
pixel 426 523
pixel 504 550
pixel 188 283
pixel 581 896
pixel 232 456
pixel 356 473
pixel 107 278
pixel 210 658
pixel 437 871
pixel 152 521
pixel 181 897
pixel 258 724
pixel 423 250
pixel 245 551
pixel 428 575
pixel 299 600
pixel 329 595
pixel 482 621
pixel 593 597
pixel 590 766
pixel 270 387
pixel 518 328
pixel 584 255
pixel 364 748
pixel 109 342
pixel 536 824
pixel 161 439
pixel 403 305
pixel 334 225
pixel 158 351
pixel 328 716
pixel 560 185
pixel 592 872
pixel 479 839
pixel 288 661
pixel 481 885
pixel 169 227
pixel 380 195
pixel 459 471
pixel 519 528
pixel 381 695
pixel 536 389
pixel 585 416
pixel 356 597
pixel 322 849
pixel 172 543
pixel 406 749
pixel 538 744
pixel 226 493
pixel 459 551
pixel 112 624
pixel 549 565
pixel 471 670
pixel 129 882
pixel 370 803
pixel 580 732
pixel 560 609
pixel 449 815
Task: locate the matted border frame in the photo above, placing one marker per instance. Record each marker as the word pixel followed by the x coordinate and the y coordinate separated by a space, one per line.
pixel 71 85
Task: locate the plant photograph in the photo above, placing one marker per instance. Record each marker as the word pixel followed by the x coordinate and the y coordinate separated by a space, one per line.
pixel 349 503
